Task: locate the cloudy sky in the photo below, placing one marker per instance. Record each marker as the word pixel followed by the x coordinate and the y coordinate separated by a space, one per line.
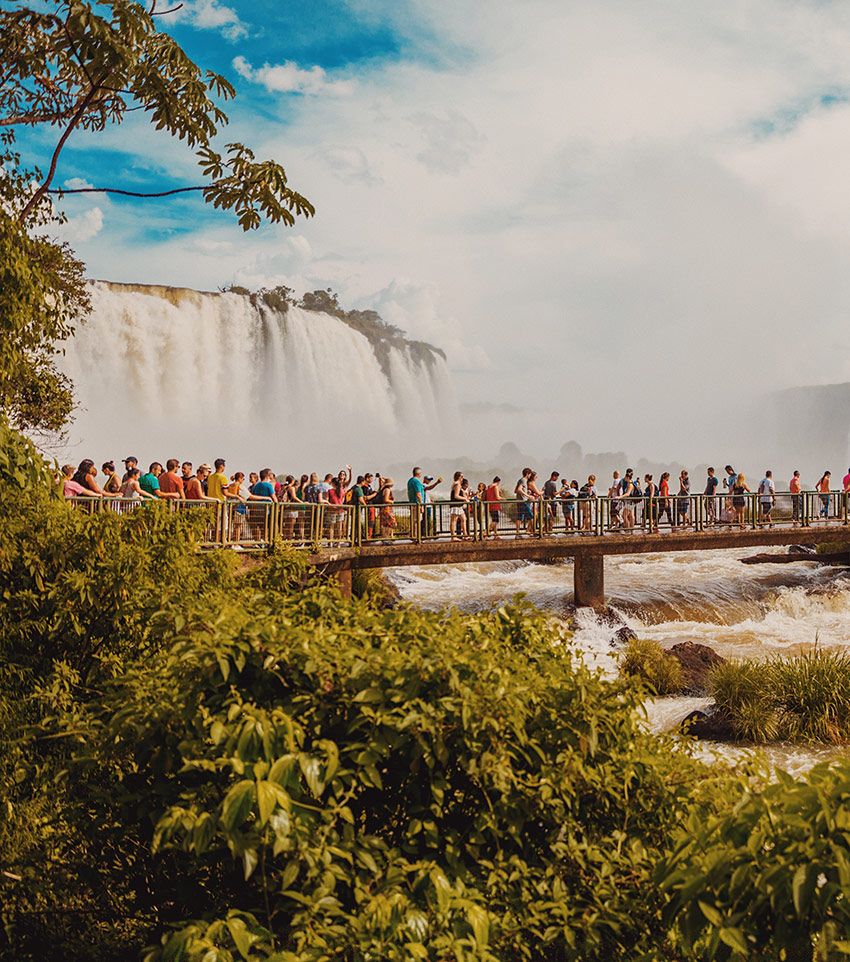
pixel 614 217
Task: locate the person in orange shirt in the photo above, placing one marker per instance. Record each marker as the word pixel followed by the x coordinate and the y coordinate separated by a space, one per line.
pixel 795 486
pixel 170 482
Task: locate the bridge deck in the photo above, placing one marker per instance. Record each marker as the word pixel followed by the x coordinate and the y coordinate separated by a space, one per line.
pixel 405 553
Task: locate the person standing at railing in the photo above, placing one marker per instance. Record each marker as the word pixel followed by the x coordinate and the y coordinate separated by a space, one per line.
pixel 650 492
pixel 336 508
pixel 550 504
pixel 129 463
pixel 131 490
pixel 683 505
pixel 535 495
pixel 71 488
pixel 568 495
pixel 767 498
pixel 493 499
pixel 86 476
pixel 664 500
pixel 615 506
pixel 587 495
pixel 386 514
pixel 170 481
pixel 822 487
pixel 524 516
pixel 740 489
pixel 112 485
pixel 729 483
pixel 416 495
pixel 186 474
pixel 150 482
pixel 193 487
pixel 630 498
pixel 459 499
pixel 218 481
pixel 711 483
pixel 795 486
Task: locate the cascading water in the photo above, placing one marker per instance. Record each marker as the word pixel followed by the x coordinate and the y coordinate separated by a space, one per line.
pixel 162 372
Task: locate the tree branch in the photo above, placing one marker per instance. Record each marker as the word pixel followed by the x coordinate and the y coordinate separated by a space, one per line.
pixel 54 160
pixel 123 193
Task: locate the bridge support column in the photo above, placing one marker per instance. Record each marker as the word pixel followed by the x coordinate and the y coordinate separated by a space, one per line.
pixel 342 578
pixel 589 580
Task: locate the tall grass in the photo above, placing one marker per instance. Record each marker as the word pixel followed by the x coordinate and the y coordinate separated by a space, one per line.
pixel 646 659
pixel 805 698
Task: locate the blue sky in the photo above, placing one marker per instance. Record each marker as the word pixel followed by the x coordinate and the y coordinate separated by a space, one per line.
pixel 577 201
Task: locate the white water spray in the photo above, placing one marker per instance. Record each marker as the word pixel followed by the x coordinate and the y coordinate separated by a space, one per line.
pixel 169 372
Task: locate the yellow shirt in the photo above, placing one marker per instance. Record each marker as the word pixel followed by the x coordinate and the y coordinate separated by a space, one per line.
pixel 216 483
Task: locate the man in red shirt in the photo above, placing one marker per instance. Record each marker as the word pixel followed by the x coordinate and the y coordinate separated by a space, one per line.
pixel 171 482
pixel 846 480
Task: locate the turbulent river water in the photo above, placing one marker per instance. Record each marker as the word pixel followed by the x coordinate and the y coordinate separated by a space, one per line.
pixel 739 610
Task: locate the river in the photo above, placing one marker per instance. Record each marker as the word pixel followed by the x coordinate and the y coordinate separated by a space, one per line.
pixel 741 611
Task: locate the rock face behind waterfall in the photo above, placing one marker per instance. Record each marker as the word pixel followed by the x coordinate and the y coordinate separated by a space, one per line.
pixel 171 372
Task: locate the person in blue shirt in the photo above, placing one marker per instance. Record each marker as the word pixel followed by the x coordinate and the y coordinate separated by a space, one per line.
pixel 417 495
pixel 264 488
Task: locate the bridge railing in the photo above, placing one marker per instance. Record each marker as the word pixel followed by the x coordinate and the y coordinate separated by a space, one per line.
pixel 255 524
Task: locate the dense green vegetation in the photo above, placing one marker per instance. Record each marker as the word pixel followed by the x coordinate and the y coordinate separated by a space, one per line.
pixel 224 764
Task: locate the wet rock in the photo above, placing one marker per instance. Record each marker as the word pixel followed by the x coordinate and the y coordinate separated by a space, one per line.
pixel 609 617
pixel 801 549
pixel 696 661
pixel 622 636
pixel 708 725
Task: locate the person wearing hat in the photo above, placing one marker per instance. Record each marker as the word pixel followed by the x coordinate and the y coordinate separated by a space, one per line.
pixel 130 462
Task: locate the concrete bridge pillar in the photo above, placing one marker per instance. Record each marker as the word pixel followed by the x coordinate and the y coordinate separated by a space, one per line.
pixel 342 577
pixel 589 580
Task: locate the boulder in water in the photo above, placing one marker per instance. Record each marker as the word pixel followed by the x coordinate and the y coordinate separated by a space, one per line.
pixel 709 725
pixel 622 636
pixel 801 549
pixel 696 661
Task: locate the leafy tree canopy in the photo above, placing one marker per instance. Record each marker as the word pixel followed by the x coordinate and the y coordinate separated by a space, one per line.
pixel 74 65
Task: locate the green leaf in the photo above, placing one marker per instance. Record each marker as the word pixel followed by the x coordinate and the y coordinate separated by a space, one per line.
pixel 240 935
pixel 710 912
pixel 734 938
pixel 237 803
pixel 266 800
pixel 801 889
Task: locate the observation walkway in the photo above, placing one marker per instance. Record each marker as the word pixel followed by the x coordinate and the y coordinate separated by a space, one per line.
pixel 343 538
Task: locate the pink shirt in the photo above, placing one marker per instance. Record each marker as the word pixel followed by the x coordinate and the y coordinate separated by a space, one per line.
pixel 73 490
pixel 847 482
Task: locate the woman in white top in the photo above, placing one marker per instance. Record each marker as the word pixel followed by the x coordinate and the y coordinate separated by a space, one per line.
pixel 131 490
pixel 457 511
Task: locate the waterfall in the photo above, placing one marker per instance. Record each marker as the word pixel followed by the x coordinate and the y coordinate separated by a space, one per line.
pixel 168 372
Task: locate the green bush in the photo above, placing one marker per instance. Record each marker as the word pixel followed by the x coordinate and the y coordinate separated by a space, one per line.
pixel 646 659
pixel 804 699
pixel 767 878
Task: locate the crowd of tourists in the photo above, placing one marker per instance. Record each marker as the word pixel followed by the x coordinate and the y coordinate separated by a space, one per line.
pixel 530 506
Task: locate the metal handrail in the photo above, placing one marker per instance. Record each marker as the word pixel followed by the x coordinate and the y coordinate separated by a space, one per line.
pixel 253 524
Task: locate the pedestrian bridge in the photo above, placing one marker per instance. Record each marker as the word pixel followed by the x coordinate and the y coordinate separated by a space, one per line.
pixel 343 538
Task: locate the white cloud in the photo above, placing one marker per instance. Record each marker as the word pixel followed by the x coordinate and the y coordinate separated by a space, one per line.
pixel 213 15
pixel 84 226
pixel 626 218
pixel 77 183
pixel 290 78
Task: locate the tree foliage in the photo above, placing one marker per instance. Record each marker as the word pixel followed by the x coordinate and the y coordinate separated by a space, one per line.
pixel 83 65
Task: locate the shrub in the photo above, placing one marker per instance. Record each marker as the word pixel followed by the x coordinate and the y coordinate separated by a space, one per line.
pixel 647 660
pixel 767 878
pixel 804 698
pixel 742 696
